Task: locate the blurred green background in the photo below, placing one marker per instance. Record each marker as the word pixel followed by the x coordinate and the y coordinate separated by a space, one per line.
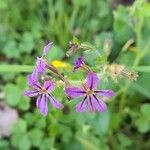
pixel 25 27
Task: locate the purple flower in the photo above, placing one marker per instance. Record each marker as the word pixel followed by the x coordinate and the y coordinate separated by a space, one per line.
pixel 43 94
pixel 33 78
pixel 78 63
pixel 40 65
pixel 91 96
pixel 46 48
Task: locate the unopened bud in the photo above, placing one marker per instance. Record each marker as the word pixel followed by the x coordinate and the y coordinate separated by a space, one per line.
pixel 72 48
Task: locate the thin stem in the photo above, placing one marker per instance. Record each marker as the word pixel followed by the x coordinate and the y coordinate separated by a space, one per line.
pixel 16 68
pixel 139 56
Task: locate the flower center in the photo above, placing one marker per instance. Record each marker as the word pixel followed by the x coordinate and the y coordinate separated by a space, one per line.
pixel 89 92
pixel 43 90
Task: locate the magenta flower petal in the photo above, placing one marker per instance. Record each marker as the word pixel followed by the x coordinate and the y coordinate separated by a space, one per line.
pixel 99 104
pixel 43 105
pixel 55 103
pixel 92 80
pixel 46 48
pixel 81 106
pixel 49 86
pixel 33 80
pixel 79 61
pixel 38 101
pixel 91 104
pixel 40 65
pixel 31 93
pixel 105 93
pixel 74 92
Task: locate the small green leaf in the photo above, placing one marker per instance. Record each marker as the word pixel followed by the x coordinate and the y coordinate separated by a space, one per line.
pixel 124 140
pixel 24 143
pixel 24 103
pixel 27 43
pixel 47 143
pixel 76 40
pixel 145 109
pixel 35 136
pixel 4 145
pixel 145 69
pixel 20 126
pixel 13 94
pixel 142 124
pixel 143 121
pixel 11 50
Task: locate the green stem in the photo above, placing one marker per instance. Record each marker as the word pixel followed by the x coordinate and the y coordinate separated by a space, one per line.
pixel 139 56
pixel 127 85
pixel 16 68
pixel 25 69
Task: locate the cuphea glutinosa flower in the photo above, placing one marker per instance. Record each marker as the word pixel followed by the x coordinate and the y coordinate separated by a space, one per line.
pixel 42 86
pixel 92 98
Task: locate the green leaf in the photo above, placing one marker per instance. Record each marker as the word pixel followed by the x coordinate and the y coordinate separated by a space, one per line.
pixel 124 140
pixel 47 143
pixel 13 94
pixel 53 129
pixel 146 9
pixel 20 126
pixel 139 88
pixel 102 122
pixel 76 40
pixel 86 143
pixel 145 109
pixel 145 69
pixel 4 145
pixel 122 24
pixel 10 49
pixel 142 124
pixel 27 43
pixel 143 121
pixel 15 139
pixel 114 122
pixel 66 136
pixel 35 136
pixel 24 103
pixel 141 85
pixel 22 81
pixel 24 143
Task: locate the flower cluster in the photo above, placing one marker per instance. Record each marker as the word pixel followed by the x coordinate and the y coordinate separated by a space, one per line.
pixel 93 99
pixel 42 92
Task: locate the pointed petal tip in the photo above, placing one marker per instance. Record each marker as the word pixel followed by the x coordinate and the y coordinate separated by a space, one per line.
pixel 74 92
pixel 40 66
pixel 81 106
pixel 46 48
pixel 112 93
pixel 99 104
pixel 43 106
pixel 55 103
pixel 106 93
pixel 30 93
pixel 92 80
